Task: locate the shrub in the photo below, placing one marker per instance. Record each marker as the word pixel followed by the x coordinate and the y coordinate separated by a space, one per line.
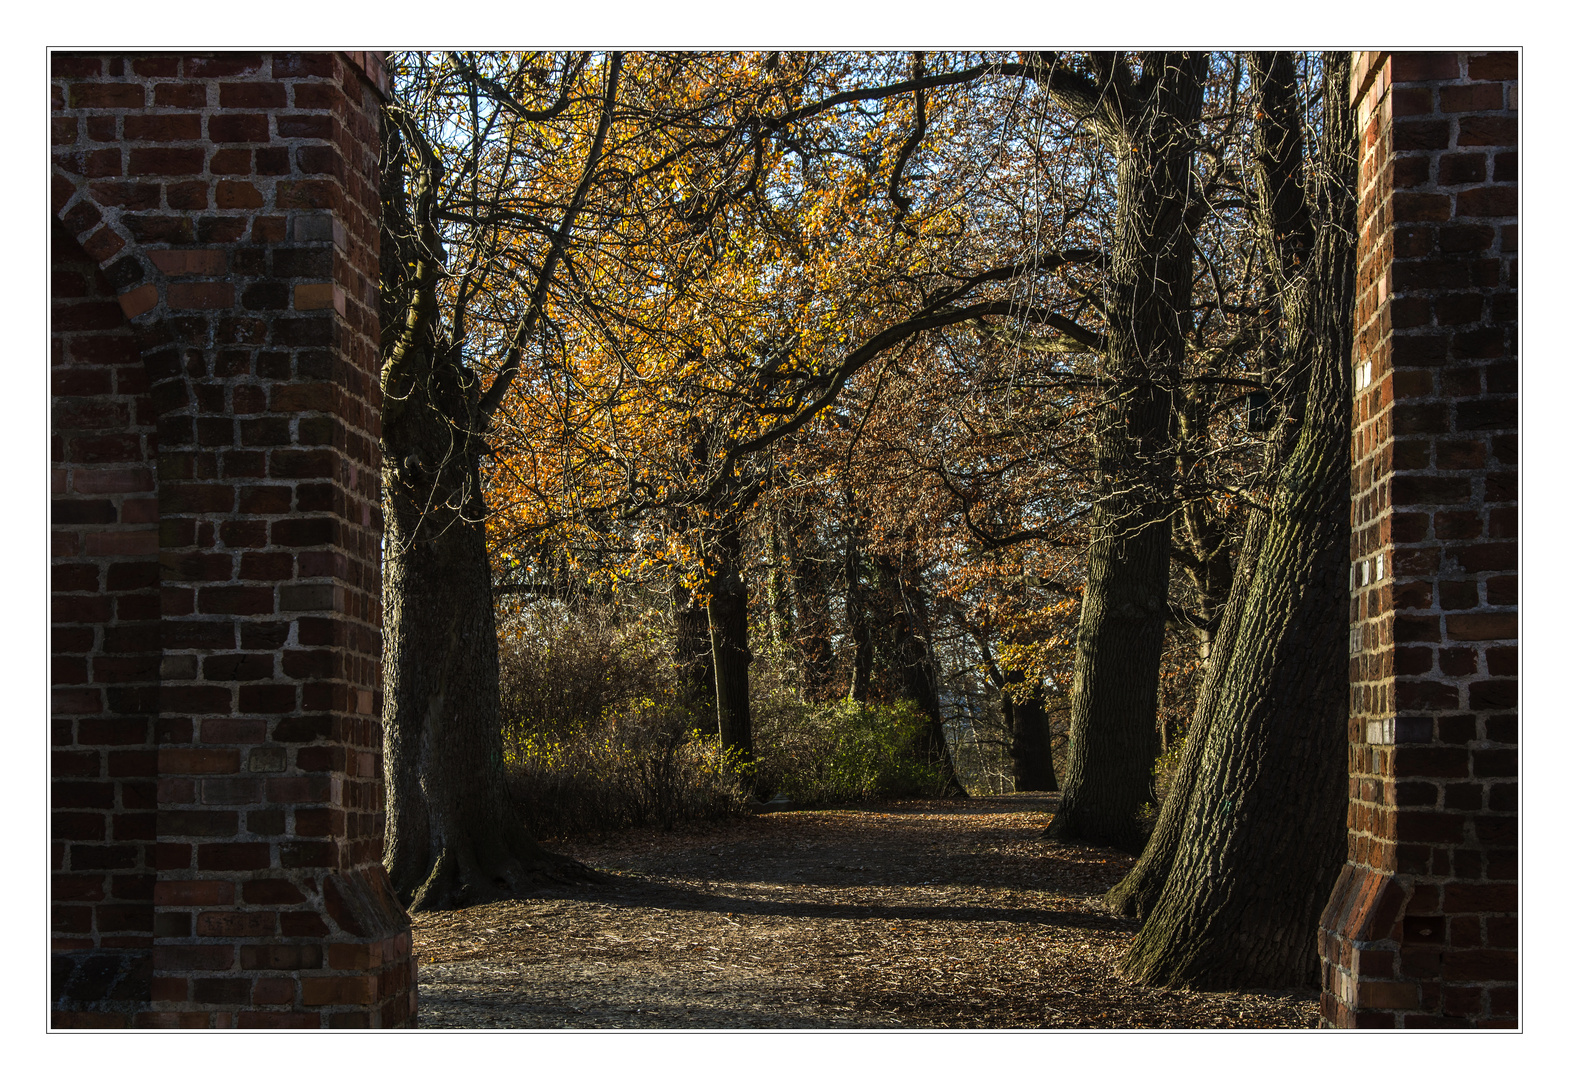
pixel 565 667
pixel 593 744
pixel 840 751
pixel 647 767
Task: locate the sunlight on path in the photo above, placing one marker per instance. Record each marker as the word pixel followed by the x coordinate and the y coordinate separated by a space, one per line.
pixel 923 914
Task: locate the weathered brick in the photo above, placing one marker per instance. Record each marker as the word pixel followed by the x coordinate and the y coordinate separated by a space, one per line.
pixel 89 95
pixel 1482 626
pixel 1409 67
pixel 252 95
pixel 237 856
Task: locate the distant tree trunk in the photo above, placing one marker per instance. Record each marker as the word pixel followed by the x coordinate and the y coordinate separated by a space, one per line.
pixel 915 666
pixel 781 572
pixel 1201 542
pixel 1113 737
pixel 809 598
pixel 727 602
pixel 1264 832
pixel 857 618
pixel 694 658
pixel 1033 769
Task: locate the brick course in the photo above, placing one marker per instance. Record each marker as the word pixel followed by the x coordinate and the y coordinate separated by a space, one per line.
pixel 1416 933
pixel 216 534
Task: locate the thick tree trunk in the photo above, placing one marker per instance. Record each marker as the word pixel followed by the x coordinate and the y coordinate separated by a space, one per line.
pixel 1113 735
pixel 732 656
pixel 1264 831
pixel 452 837
pixel 1135 895
pixel 1278 155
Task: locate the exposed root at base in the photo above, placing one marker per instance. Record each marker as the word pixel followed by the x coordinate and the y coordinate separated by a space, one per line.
pixel 455 882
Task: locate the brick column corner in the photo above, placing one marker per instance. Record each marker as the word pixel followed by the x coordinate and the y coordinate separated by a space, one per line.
pixel 1421 928
pixel 216 785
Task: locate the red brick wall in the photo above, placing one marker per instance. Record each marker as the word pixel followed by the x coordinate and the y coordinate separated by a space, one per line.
pixel 104 577
pixel 1420 931
pixel 230 203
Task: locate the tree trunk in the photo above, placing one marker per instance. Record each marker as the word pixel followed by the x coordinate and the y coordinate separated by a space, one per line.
pixel 781 588
pixel 858 619
pixel 453 838
pixel 809 599
pixel 1201 539
pixel 1113 735
pixel 916 668
pixel 1264 831
pixel 1286 221
pixel 694 656
pixel 727 629
pixel 1030 748
pixel 1135 895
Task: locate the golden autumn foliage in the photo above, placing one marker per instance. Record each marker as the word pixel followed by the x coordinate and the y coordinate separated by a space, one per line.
pixel 861 292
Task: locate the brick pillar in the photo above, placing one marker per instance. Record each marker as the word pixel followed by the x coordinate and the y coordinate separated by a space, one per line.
pixel 217 521
pixel 104 577
pixel 1420 930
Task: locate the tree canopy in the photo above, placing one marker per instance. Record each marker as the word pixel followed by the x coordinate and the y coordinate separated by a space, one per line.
pixel 944 377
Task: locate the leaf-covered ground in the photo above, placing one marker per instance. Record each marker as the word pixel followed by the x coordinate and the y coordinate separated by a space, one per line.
pixel 915 914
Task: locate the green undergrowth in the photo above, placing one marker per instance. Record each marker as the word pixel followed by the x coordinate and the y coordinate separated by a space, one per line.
pixel 595 744
pixel 841 752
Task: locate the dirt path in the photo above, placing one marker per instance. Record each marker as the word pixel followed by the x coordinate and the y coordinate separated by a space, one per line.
pixel 917 914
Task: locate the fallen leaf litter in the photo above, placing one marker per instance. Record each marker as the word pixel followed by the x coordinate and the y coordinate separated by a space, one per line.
pixel 917 914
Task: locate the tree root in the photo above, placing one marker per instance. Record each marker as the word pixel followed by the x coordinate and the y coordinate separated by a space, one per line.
pixel 461 880
pixel 1135 895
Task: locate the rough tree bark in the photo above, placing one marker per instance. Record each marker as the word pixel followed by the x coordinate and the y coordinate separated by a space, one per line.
pixel 1263 829
pixel 453 838
pixel 1135 895
pixel 1285 219
pixel 1150 127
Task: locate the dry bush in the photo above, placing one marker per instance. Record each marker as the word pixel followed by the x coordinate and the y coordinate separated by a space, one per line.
pixel 646 768
pixel 594 745
pixel 840 752
pixel 565 667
